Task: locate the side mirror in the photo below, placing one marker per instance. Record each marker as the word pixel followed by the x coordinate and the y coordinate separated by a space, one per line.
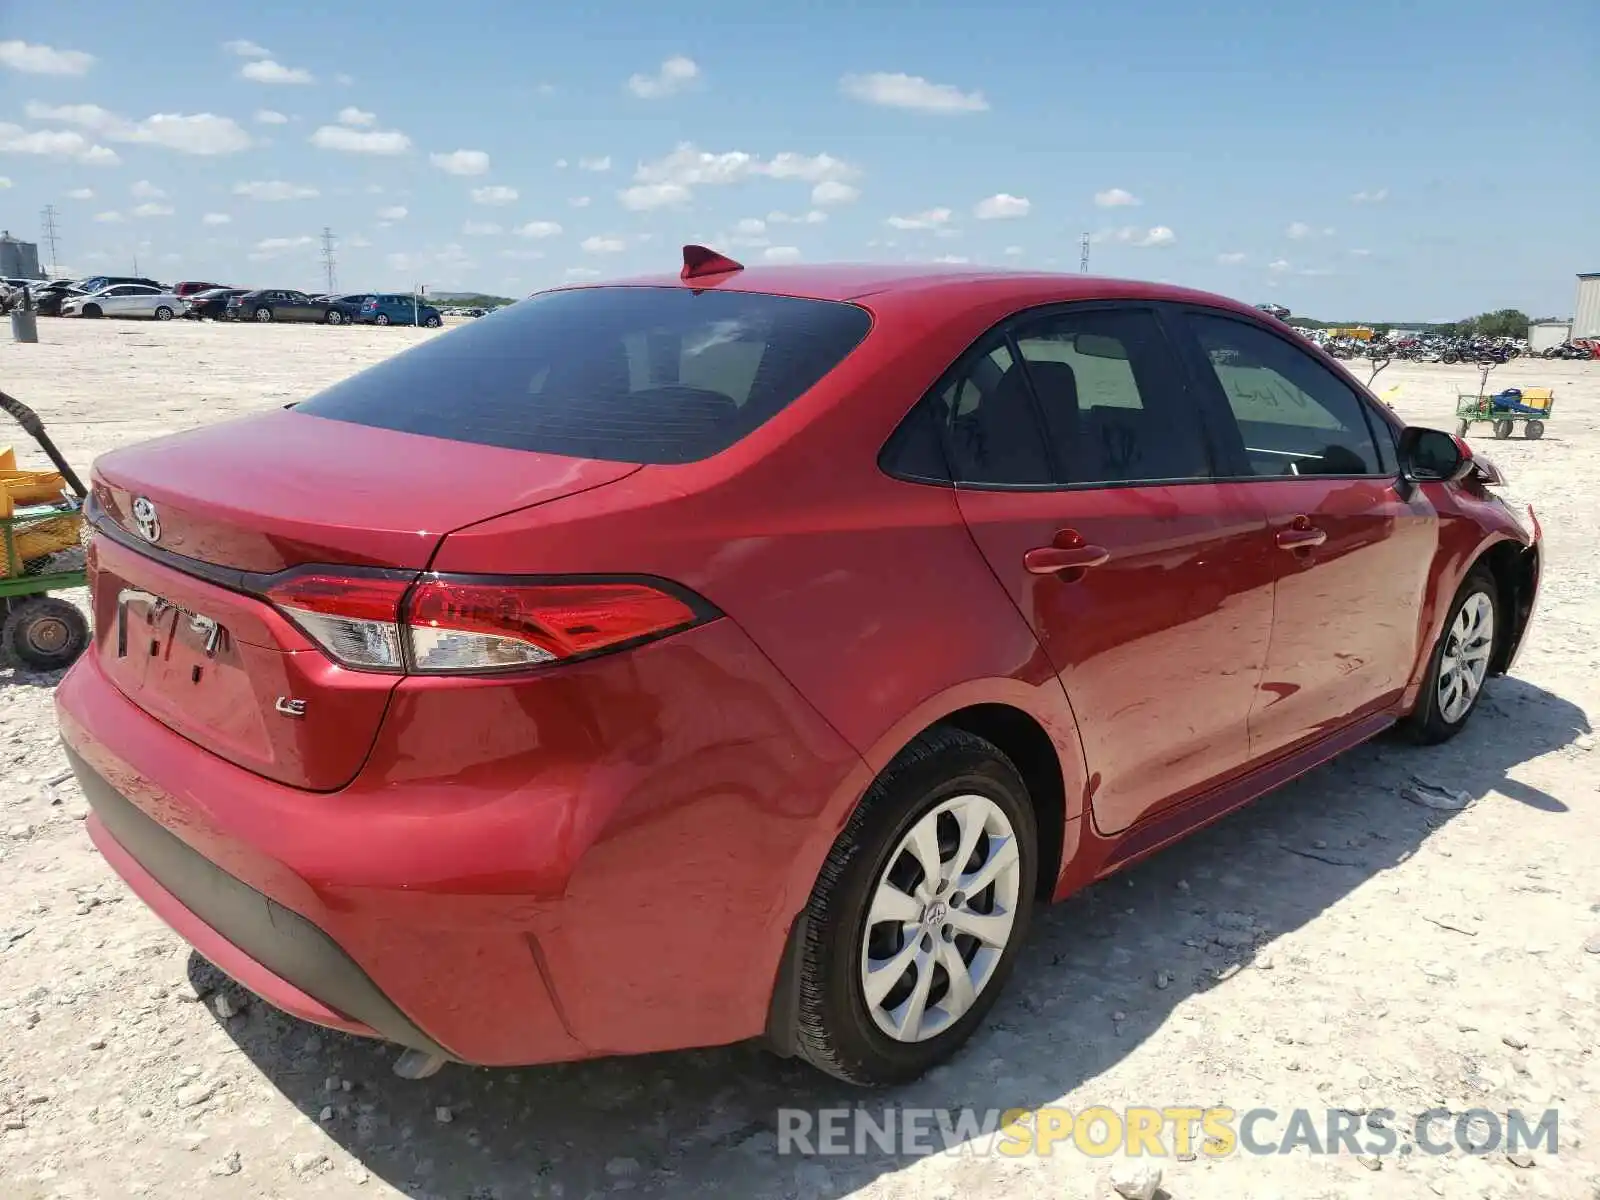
pixel 1431 455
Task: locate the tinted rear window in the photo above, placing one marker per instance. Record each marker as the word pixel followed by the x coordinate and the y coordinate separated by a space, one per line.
pixel 627 374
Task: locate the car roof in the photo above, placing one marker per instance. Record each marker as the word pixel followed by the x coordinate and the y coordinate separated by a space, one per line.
pixel 938 283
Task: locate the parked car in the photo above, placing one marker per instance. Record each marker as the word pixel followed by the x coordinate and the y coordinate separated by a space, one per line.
pixel 212 304
pixel 279 304
pixel 192 287
pixel 48 298
pixel 347 307
pixel 746 653
pixel 124 300
pixel 396 309
pixel 96 283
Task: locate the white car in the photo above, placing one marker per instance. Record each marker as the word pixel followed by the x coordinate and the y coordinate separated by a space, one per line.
pixel 125 300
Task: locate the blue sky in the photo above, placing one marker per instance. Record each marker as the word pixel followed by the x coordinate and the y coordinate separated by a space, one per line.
pixel 1419 161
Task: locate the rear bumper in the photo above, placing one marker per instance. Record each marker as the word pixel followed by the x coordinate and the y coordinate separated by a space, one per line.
pixel 604 860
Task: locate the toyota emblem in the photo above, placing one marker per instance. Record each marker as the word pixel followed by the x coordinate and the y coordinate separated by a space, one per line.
pixel 146 520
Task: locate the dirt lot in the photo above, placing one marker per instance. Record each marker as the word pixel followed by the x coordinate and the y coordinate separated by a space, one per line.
pixel 1335 946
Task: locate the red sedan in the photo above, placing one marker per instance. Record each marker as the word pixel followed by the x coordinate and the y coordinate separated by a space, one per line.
pixel 745 653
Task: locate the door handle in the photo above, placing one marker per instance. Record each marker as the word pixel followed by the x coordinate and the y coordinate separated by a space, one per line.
pixel 1301 538
pixel 1047 560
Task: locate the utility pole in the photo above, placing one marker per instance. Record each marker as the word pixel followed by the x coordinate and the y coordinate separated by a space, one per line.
pixel 329 265
pixel 47 220
pixel 1083 262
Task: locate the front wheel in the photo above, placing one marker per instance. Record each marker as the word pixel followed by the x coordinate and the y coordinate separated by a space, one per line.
pixel 913 925
pixel 1503 428
pixel 334 317
pixel 93 310
pixel 263 314
pixel 1533 430
pixel 163 313
pixel 44 633
pixel 1450 358
pixel 1460 662
pixel 431 322
pixel 1462 427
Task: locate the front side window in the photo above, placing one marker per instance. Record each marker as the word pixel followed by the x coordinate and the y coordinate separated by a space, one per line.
pixel 1295 416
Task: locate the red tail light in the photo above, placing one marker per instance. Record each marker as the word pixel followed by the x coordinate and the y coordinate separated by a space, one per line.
pixel 441 624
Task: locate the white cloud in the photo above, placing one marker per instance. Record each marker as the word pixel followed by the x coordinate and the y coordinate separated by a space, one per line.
pixel 246 49
pixel 274 189
pixel 265 70
pixel 674 75
pixel 357 243
pixel 268 116
pixel 1299 231
pixel 358 141
pixel 522 255
pixel 1132 235
pixel 461 162
pixel 538 229
pixel 898 90
pixel 579 202
pixel 813 217
pixel 344 80
pixel 109 218
pixel 561 164
pixel 602 163
pixel 145 190
pixel 395 212
pixel 811 168
pixel 496 193
pixel 603 245
pixel 481 229
pixel 1012 251
pixel 356 117
pixel 1001 206
pixel 953 259
pixel 643 197
pixel 831 191
pixel 749 225
pixel 1231 259
pixel 1116 198
pixel 276 247
pixel 151 209
pixel 781 254
pixel 197 133
pixel 1279 265
pixel 43 60
pixel 933 218
pixel 81 194
pixel 55 143
pixel 1376 196
pixel 573 274
pixel 1361 253
pixel 216 219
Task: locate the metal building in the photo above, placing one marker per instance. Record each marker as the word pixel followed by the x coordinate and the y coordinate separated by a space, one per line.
pixel 1546 335
pixel 1586 309
pixel 18 260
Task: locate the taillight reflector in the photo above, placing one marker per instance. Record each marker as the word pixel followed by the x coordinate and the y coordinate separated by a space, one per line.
pixel 451 625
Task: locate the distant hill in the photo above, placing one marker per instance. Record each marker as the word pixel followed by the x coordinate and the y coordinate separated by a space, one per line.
pixel 470 299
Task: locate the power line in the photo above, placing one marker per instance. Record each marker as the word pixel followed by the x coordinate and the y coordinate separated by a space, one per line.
pixel 1083 261
pixel 329 264
pixel 47 220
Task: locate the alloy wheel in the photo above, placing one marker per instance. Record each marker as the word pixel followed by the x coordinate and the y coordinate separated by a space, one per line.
pixel 940 918
pixel 1465 662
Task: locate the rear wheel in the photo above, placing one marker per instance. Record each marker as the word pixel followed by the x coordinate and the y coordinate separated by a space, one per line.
pixel 163 313
pixel 93 310
pixel 431 322
pixel 381 319
pixel 334 317
pixel 1459 666
pixel 44 633
pixel 1503 427
pixel 1462 427
pixel 913 925
pixel 263 314
pixel 1533 430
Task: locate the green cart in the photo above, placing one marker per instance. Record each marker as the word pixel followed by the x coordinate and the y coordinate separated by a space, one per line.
pixel 43 553
pixel 1532 413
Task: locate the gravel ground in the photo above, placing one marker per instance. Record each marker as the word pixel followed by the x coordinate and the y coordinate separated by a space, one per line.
pixel 1334 946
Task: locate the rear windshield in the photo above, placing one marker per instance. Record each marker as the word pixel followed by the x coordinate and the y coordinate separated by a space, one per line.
pixel 627 374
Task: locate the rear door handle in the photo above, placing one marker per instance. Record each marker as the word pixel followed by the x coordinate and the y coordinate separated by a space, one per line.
pixel 1301 538
pixel 1047 560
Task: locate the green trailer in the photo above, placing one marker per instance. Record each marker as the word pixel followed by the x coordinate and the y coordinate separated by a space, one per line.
pixel 44 553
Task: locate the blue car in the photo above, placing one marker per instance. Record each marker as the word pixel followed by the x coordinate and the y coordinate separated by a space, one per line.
pixel 394 309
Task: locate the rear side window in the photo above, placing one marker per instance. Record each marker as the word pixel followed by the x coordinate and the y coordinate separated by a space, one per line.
pixel 626 374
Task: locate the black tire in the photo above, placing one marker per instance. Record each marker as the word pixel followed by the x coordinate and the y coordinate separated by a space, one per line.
pixel 334 317
pixel 1503 428
pixel 1533 430
pixel 93 310
pixel 1426 725
pixel 834 1029
pixel 381 319
pixel 44 633
pixel 1450 358
pixel 431 322
pixel 1462 427
pixel 163 313
pixel 262 314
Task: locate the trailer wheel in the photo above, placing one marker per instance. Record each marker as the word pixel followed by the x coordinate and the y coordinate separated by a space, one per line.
pixel 1533 430
pixel 44 633
pixel 1503 427
pixel 1462 427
